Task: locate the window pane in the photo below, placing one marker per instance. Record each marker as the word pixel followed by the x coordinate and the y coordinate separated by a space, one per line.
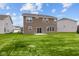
pixel 29 19
pixel 29 27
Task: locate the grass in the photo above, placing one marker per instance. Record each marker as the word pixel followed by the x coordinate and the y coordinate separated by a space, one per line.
pixel 53 44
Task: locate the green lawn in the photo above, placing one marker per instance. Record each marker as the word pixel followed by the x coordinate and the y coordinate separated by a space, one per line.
pixel 53 44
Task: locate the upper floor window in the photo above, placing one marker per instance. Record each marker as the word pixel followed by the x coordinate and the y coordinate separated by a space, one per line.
pixel 45 19
pixel 29 19
pixel 55 20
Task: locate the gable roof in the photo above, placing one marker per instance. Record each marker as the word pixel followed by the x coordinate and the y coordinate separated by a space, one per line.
pixel 2 17
pixel 38 15
pixel 67 19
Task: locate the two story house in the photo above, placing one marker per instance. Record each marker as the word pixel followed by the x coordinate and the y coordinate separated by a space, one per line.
pixel 35 23
pixel 6 24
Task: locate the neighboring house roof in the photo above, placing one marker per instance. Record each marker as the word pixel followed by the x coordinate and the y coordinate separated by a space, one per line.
pixel 67 19
pixel 17 27
pixel 2 17
pixel 38 15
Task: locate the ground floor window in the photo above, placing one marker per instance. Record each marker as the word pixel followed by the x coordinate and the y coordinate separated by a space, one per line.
pixel 49 29
pixel 29 27
pixel 4 29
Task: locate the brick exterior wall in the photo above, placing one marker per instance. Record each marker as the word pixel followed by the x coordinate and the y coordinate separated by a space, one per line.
pixel 39 22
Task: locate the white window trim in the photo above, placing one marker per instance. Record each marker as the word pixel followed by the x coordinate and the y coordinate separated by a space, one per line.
pixel 29 19
pixel 49 29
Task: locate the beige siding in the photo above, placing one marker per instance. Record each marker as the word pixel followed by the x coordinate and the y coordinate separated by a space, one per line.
pixel 6 25
pixel 66 26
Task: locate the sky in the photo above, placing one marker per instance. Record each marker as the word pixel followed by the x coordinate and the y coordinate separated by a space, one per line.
pixel 59 10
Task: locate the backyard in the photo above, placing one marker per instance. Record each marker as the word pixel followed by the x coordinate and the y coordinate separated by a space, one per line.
pixel 52 44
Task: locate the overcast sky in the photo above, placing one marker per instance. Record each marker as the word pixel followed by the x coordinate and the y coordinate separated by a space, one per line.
pixel 59 10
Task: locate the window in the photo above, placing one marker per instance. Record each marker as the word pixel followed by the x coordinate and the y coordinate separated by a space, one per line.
pixel 52 29
pixel 29 27
pixel 4 29
pixel 49 29
pixel 55 19
pixel 45 19
pixel 64 26
pixel 29 19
